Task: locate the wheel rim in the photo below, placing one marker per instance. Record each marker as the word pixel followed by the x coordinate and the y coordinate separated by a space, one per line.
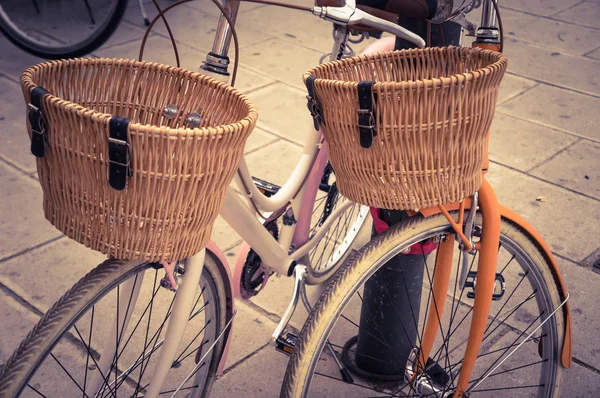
pixel 73 358
pixel 326 255
pixel 502 325
pixel 46 27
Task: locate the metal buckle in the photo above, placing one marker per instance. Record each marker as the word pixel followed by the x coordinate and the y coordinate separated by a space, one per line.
pixel 363 112
pixel 128 162
pixel 315 109
pixel 41 127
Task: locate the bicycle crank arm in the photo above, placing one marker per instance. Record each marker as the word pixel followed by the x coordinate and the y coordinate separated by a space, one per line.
pixel 300 273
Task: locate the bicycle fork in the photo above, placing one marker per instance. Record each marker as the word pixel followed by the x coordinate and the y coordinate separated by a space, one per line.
pixel 486 274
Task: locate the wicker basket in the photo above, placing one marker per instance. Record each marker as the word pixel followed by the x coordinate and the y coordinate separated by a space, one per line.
pixel 426 119
pixel 158 202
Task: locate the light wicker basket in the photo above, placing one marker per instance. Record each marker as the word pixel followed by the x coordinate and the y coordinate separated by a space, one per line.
pixel 177 176
pixel 431 113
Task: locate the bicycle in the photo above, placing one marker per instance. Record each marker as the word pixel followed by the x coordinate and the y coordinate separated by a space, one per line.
pixel 55 31
pixel 309 207
pixel 521 330
pixel 315 336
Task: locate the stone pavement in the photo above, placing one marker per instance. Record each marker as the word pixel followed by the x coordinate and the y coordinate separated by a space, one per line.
pixel 545 142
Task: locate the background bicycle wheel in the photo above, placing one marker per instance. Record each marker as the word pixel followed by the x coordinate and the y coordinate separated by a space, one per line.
pixel 35 270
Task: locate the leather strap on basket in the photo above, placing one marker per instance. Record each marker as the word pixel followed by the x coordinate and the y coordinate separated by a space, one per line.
pixel 119 160
pixel 366 119
pixel 314 106
pixel 39 126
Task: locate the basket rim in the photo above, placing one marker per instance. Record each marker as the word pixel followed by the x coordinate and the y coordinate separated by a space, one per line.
pixel 251 117
pixel 500 62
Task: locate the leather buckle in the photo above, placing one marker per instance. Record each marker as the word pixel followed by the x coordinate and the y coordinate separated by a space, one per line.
pixel 39 126
pixel 315 111
pixel 119 157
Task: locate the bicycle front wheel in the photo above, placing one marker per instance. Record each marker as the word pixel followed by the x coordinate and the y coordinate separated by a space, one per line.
pixel 346 317
pixel 63 355
pixel 57 29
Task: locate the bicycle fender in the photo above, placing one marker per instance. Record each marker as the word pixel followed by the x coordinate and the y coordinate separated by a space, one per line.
pixel 506 213
pixel 213 250
pixel 567 348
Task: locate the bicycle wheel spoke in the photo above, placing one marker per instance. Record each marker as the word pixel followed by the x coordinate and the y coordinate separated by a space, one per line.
pixel 518 368
pixel 68 373
pixel 155 289
pixel 36 391
pixel 509 314
pixel 87 359
pixel 354 384
pixel 508 388
pixel 104 378
pixel 483 374
pixel 506 302
pixel 192 342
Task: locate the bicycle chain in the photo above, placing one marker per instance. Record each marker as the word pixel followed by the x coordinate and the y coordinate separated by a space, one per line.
pixel 253 274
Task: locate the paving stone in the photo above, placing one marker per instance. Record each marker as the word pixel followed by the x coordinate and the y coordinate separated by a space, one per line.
pixel 553 66
pixel 281 60
pixel 274 162
pixel 197 29
pixel 575 168
pixel 579 382
pixel 258 376
pixel 564 220
pixel 594 54
pixel 582 285
pixel 14 60
pixel 512 86
pixel 251 330
pixel 585 13
pixel 15 141
pixel 522 144
pixel 258 139
pixel 210 8
pixel 17 321
pixel 223 235
pixel 287 118
pixel 540 7
pixel 43 275
pixel 22 222
pixel 556 35
pixel 159 50
pixel 126 32
pixel 290 25
pixel 555 107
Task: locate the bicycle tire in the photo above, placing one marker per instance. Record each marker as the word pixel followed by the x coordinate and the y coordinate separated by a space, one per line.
pixel 87 292
pixel 77 49
pixel 318 326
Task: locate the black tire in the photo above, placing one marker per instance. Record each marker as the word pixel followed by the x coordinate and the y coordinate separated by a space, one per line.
pixel 311 361
pixel 77 49
pixel 58 323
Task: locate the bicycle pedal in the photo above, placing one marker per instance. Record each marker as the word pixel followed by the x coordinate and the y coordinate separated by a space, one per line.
pixel 286 344
pixel 265 187
pixel 499 286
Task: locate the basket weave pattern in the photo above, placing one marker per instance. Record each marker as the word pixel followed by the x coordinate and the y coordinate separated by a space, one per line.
pixel 433 109
pixel 179 175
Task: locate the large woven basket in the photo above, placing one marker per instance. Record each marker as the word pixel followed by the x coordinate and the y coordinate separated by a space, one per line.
pixel 160 201
pixel 426 126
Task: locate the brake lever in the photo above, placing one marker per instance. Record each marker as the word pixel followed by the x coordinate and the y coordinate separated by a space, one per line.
pixel 350 15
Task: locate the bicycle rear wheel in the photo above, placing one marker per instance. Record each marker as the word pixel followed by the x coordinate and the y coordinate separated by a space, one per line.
pixel 60 29
pixel 61 356
pixel 337 243
pixel 530 297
